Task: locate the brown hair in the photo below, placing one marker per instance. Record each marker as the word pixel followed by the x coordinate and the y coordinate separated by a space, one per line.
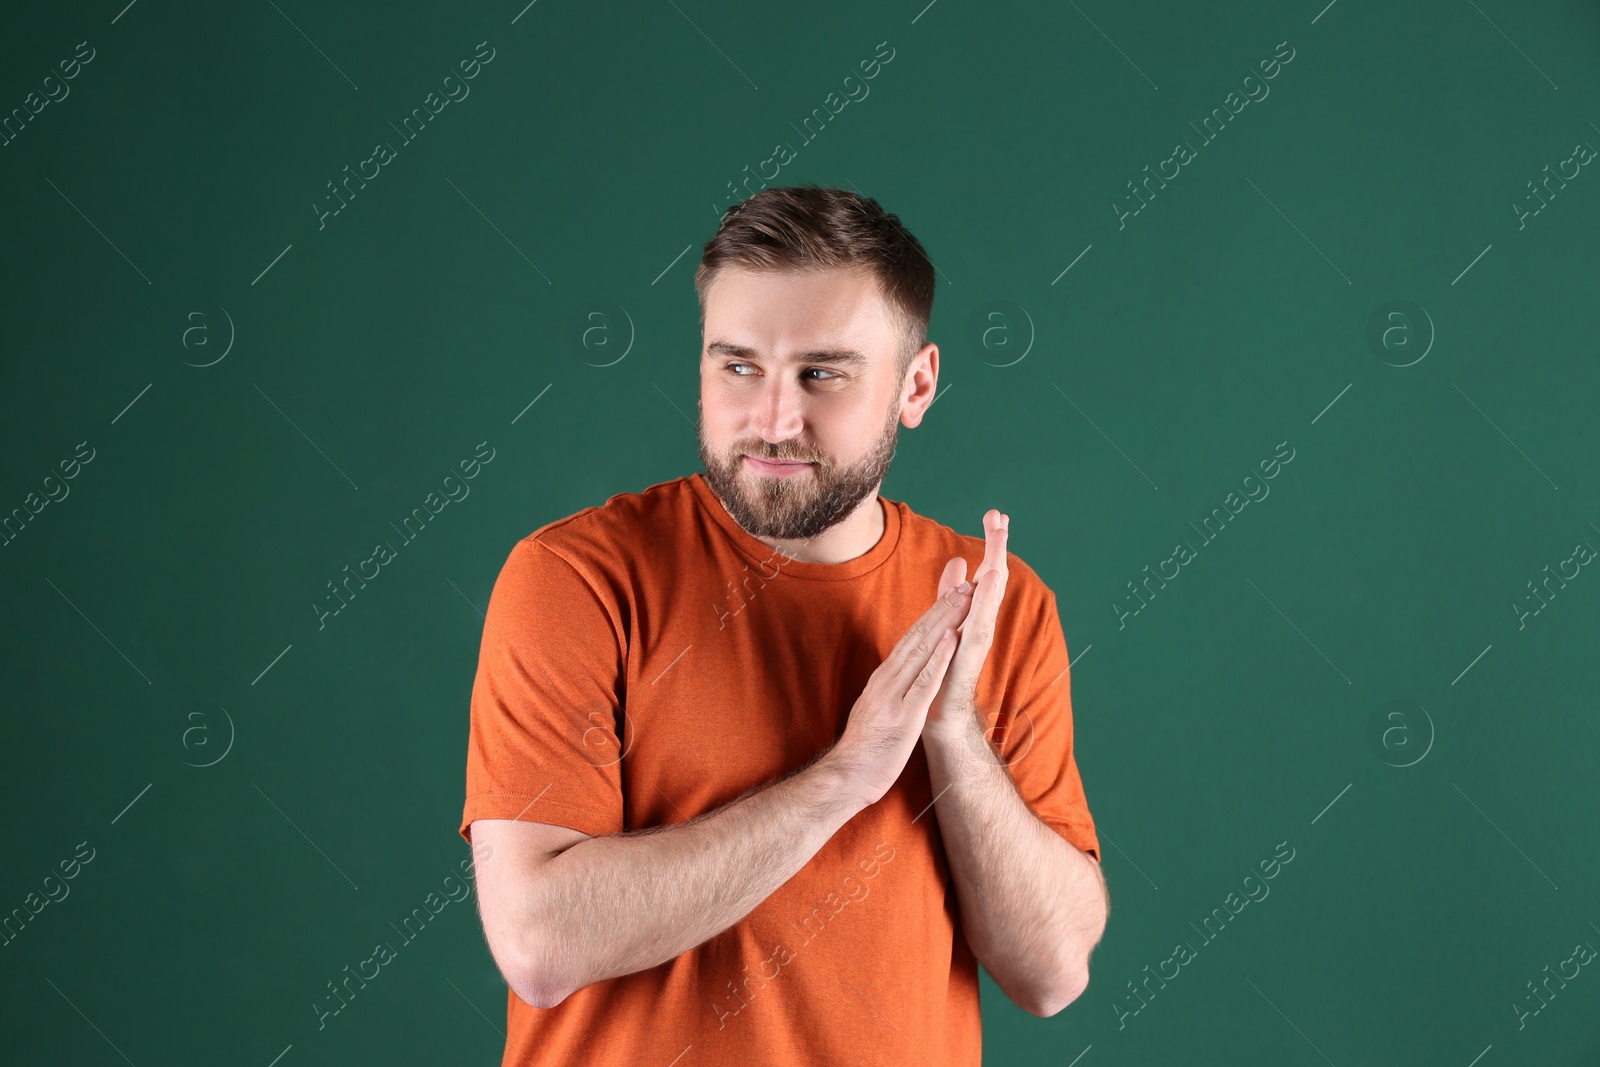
pixel 814 228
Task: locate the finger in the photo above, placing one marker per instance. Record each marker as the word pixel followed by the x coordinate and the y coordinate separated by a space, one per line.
pixel 1000 534
pixel 996 527
pixel 917 644
pixel 997 534
pixel 984 612
pixel 919 697
pixel 955 572
pixel 989 519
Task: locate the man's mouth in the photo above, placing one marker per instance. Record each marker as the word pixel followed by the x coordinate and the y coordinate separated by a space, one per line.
pixel 775 467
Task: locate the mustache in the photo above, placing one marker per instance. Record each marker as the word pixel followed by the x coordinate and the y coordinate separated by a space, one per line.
pixel 778 457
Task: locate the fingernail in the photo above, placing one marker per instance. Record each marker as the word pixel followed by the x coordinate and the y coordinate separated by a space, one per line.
pixel 964 587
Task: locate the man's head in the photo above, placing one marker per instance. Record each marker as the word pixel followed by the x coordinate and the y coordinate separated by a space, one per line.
pixel 794 276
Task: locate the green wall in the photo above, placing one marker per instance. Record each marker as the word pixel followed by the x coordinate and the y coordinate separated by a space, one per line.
pixel 1356 664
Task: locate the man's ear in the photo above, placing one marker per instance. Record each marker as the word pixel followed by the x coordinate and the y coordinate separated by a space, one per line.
pixel 921 385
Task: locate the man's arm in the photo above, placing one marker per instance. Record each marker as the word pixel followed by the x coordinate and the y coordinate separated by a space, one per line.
pixel 1032 906
pixel 557 921
pixel 620 903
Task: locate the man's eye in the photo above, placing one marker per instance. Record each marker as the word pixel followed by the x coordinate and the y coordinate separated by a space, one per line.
pixel 734 367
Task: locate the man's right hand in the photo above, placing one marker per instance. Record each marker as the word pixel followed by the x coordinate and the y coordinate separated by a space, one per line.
pixel 887 719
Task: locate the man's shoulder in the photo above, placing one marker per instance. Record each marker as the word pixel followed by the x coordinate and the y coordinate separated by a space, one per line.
pixel 626 523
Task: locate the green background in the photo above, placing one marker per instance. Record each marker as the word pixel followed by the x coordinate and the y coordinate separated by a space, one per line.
pixel 158 616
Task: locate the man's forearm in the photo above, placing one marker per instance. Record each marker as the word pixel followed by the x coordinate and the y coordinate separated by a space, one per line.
pixel 1032 905
pixel 622 903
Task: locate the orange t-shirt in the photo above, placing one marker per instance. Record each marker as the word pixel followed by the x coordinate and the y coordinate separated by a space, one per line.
pixel 649 660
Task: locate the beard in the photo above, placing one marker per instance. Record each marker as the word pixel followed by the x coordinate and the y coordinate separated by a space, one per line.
pixel 801 506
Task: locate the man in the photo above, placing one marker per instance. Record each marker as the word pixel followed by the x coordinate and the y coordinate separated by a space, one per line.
pixel 707 831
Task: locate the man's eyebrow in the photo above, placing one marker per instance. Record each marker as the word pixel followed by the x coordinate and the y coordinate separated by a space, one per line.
pixel 847 357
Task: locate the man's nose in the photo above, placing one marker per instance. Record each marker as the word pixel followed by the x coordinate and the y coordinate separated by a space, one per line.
pixel 779 410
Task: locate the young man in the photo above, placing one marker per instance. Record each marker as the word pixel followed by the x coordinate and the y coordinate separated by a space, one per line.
pixel 707 832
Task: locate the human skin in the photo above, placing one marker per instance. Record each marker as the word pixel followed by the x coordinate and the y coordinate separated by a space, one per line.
pixel 1033 906
pixel 562 910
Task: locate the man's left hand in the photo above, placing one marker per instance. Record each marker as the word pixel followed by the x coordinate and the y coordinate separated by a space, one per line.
pixel 953 716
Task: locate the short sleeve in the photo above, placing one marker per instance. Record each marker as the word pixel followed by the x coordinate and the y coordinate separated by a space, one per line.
pixel 543 738
pixel 1037 743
